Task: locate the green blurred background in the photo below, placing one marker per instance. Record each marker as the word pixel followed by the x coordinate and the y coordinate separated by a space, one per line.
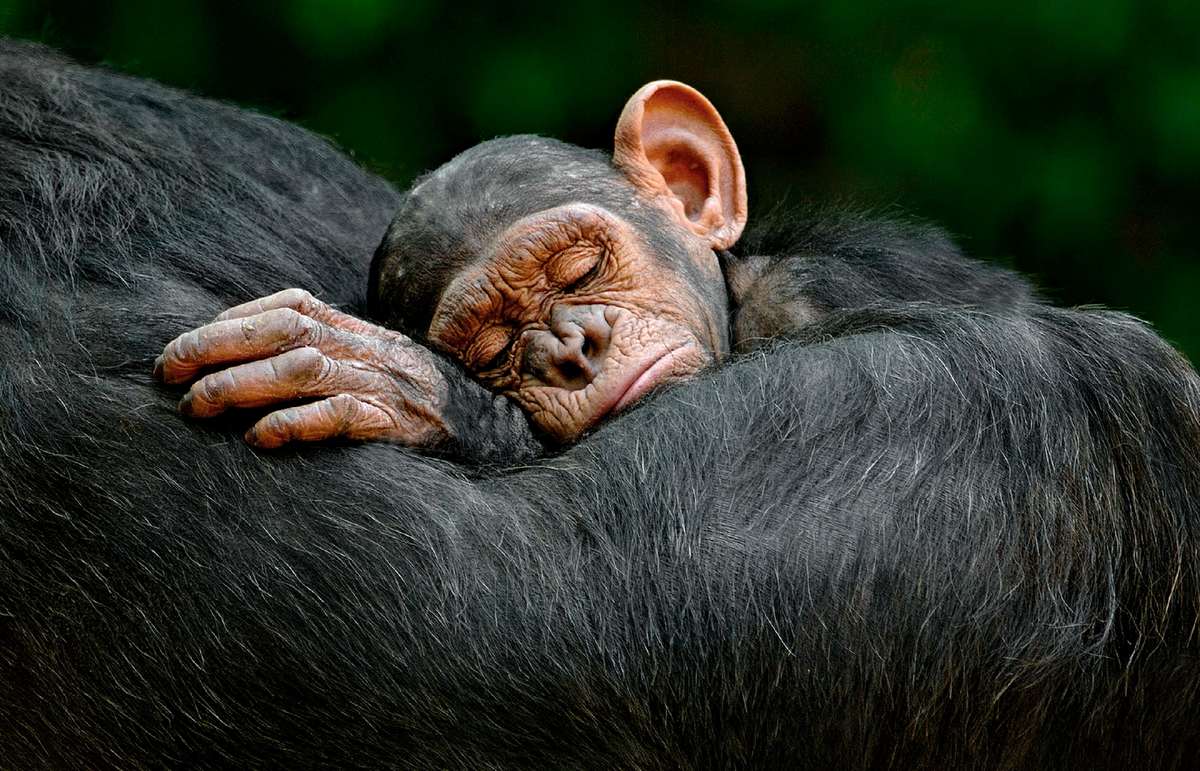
pixel 1060 136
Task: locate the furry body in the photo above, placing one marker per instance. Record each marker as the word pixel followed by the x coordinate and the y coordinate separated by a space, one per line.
pixel 913 535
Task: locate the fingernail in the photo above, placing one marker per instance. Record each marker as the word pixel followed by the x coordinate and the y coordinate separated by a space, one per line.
pixel 157 372
pixel 185 404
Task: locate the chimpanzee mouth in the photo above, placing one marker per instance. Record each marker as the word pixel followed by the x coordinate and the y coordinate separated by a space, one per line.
pixel 652 374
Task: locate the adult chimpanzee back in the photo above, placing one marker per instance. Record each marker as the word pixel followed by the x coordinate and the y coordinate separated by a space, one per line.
pixel 915 537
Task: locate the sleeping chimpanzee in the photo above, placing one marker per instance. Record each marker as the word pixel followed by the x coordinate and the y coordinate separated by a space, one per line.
pixel 569 282
pixel 910 535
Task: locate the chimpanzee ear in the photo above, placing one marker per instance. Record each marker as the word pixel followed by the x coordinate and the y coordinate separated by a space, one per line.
pixel 672 143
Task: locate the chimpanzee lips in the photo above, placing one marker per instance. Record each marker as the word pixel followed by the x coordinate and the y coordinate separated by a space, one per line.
pixel 644 378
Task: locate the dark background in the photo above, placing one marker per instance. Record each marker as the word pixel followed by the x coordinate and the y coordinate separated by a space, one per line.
pixel 1060 136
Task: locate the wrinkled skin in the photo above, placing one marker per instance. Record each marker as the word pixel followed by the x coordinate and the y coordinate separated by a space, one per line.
pixel 574 320
pixel 573 311
pixel 373 383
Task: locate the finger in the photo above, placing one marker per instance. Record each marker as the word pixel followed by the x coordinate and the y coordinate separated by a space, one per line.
pixel 341 415
pixel 235 340
pixel 292 375
pixel 301 301
pixel 297 299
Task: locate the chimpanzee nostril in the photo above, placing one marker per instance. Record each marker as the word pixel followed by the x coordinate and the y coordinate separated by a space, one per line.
pixel 571 353
pixel 572 372
pixel 586 328
pixel 559 361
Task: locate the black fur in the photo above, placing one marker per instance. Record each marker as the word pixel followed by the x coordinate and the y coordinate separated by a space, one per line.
pixel 794 268
pixel 915 536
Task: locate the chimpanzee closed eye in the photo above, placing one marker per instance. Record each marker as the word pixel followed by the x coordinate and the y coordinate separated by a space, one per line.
pixel 566 282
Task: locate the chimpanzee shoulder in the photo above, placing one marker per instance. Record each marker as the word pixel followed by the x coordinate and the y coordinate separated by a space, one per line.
pixel 794 267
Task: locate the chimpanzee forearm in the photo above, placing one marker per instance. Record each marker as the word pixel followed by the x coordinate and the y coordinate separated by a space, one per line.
pixel 484 427
pixel 792 271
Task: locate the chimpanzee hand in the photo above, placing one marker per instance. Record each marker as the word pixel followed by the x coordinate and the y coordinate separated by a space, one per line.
pixel 372 383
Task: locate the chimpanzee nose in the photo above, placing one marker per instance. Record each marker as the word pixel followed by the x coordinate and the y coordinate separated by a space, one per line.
pixel 571 353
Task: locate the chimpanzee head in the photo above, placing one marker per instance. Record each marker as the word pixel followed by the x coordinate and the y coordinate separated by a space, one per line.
pixel 568 280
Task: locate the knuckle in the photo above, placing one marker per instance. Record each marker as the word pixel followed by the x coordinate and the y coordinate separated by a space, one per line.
pixel 209 391
pixel 326 370
pixel 307 329
pixel 284 298
pixel 298 366
pixel 185 348
pixel 292 321
pixel 170 362
pixel 288 327
pixel 280 367
pixel 343 409
pixel 303 301
pixel 275 427
pixel 249 330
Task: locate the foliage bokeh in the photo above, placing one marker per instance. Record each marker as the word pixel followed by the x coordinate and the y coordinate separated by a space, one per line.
pixel 1061 136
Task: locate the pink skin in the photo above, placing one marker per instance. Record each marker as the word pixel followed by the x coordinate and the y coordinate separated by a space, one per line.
pixel 371 382
pixel 590 318
pixel 643 382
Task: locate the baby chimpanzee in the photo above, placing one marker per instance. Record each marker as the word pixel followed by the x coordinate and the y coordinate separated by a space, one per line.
pixel 569 284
